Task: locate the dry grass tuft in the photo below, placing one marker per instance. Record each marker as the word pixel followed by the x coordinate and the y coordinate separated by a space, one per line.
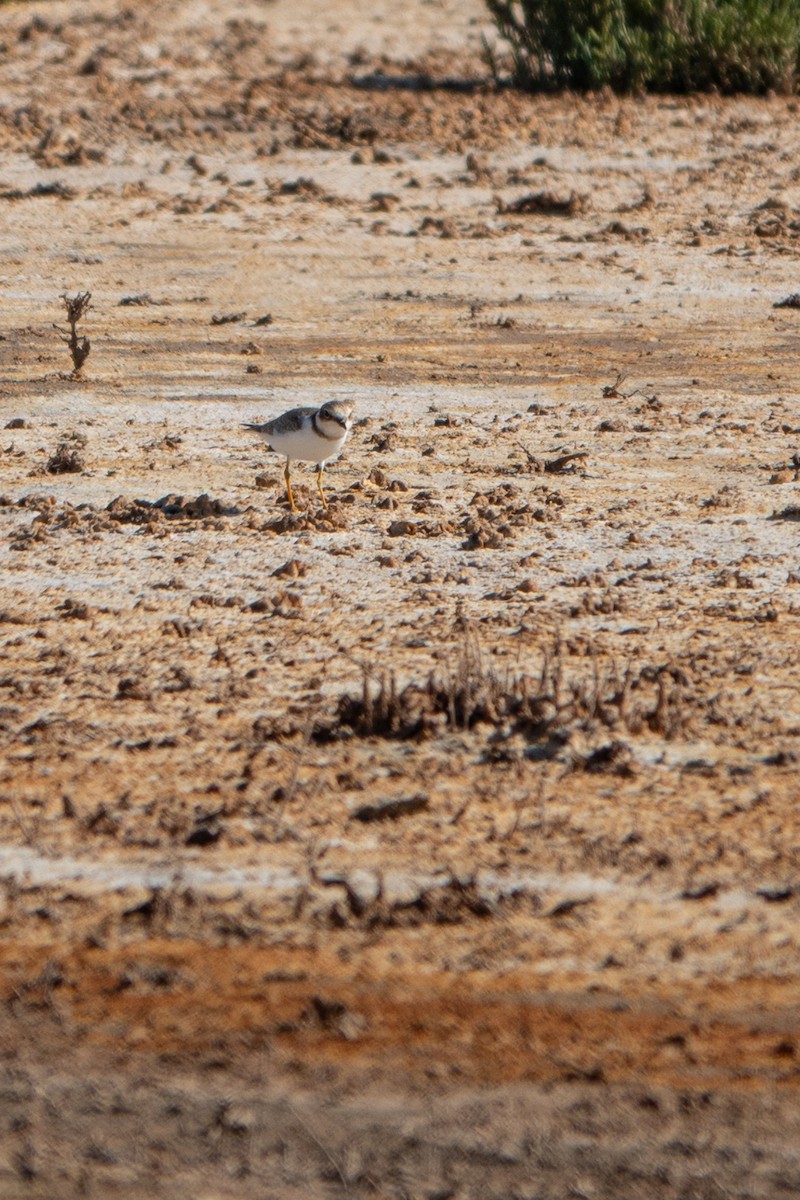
pixel 545 706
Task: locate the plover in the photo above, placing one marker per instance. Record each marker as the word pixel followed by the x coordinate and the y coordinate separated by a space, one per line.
pixel 314 435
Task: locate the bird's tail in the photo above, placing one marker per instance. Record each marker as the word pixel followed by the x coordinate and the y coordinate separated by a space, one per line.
pixel 249 425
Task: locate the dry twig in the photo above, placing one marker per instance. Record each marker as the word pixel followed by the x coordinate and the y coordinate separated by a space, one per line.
pixel 555 465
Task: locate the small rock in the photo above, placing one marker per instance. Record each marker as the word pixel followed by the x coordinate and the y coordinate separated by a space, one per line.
pixel 391 809
pixel 382 201
pixel 382 157
pixel 132 689
pixel 775 895
pixel 403 528
pixel 227 318
pixel 237 1117
pixel 476 164
pixel 204 834
pixel 363 888
pixel 336 1017
pixel 293 569
pixel 74 610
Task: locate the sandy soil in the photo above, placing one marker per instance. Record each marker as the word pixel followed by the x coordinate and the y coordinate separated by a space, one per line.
pixel 445 843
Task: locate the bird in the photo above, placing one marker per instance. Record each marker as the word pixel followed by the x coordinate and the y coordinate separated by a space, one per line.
pixel 314 435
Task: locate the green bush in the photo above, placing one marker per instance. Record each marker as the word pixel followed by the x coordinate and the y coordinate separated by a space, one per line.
pixel 662 45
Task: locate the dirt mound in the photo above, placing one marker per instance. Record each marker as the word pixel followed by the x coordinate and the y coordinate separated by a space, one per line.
pixel 170 508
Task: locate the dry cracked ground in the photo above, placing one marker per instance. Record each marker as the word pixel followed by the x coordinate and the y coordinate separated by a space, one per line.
pixel 442 844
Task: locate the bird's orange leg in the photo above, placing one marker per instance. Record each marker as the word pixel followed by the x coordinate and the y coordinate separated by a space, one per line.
pixel 319 487
pixel 289 492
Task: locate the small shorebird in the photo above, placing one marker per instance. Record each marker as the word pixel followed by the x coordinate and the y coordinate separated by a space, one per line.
pixel 314 435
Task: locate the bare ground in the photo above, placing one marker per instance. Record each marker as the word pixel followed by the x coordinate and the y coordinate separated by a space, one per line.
pixel 445 843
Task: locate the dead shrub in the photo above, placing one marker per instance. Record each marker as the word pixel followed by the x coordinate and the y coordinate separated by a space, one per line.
pixel 545 706
pixel 68 457
pixel 79 345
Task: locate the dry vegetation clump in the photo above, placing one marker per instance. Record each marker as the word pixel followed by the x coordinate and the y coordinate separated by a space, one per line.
pixel 78 343
pixel 544 708
pixel 451 902
pixel 68 458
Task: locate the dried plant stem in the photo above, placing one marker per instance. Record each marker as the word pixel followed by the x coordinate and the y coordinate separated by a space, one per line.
pixel 79 345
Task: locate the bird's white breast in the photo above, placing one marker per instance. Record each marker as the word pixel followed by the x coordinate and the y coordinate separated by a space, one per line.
pixel 306 445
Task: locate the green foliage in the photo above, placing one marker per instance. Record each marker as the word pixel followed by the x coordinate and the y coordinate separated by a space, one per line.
pixel 661 45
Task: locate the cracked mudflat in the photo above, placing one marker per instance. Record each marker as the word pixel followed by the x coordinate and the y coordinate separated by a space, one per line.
pixel 442 843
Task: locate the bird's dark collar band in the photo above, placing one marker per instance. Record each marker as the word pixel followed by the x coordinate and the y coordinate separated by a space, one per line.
pixel 322 433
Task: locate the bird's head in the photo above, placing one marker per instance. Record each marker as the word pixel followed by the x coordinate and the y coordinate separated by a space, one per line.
pixel 337 415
